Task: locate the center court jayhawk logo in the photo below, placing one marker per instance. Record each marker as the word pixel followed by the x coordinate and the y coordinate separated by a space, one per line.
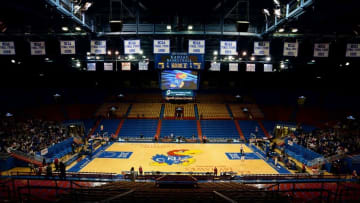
pixel 182 157
pixel 179 80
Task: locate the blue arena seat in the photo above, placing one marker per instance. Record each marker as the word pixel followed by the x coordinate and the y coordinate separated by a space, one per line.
pixel 248 127
pixel 135 127
pixel 183 128
pixel 110 126
pixel 219 129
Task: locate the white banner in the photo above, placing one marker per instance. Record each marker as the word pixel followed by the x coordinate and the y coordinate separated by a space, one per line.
pixel 37 48
pixel 291 49
pixel 268 67
pixel 132 46
pixel 353 50
pixel 215 66
pixel 108 66
pixel 228 48
pixel 250 67
pixel 125 66
pixel 98 47
pixel 196 46
pixel 321 50
pixel 67 47
pixel 143 65
pixel 7 48
pixel 233 67
pixel 91 66
pixel 262 48
pixel 44 151
pixel 161 46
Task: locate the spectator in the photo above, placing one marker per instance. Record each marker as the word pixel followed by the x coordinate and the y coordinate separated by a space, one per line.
pixel 56 163
pixel 215 171
pixel 62 170
pixel 140 170
pixel 48 171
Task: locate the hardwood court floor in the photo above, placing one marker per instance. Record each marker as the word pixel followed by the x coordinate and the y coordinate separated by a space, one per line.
pixel 177 158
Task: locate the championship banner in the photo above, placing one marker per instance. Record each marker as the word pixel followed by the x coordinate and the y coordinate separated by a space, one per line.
pixel 98 47
pixel 291 49
pixel 67 47
pixel 143 65
pixel 7 48
pixel 132 46
pixel 91 66
pixel 262 48
pixel 233 67
pixel 250 67
pixel 228 48
pixel 179 61
pixel 353 50
pixel 321 50
pixel 108 66
pixel 161 46
pixel 268 67
pixel 126 66
pixel 37 48
pixel 215 66
pixel 196 46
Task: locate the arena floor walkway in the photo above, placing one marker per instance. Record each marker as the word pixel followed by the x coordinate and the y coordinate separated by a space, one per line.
pixel 165 157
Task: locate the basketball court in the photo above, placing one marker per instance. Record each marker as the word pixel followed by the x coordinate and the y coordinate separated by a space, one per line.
pixel 165 157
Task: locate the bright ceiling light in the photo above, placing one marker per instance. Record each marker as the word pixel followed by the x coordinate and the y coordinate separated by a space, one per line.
pixel 190 27
pixel 252 58
pixel 65 29
pixel 168 27
pixel 276 2
pixel 88 53
pixel 109 52
pixel 141 52
pixel 131 57
pixel 266 12
pixel 294 30
pixel 277 12
pixel 347 64
pixel 268 58
pixel 77 28
pixel 281 30
pixel 215 53
pixel 13 61
pixel 116 53
pixel 244 53
pixel 78 64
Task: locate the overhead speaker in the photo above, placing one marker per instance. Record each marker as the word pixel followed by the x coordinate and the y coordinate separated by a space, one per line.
pixel 242 26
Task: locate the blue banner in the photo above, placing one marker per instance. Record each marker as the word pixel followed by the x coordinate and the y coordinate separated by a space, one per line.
pixel 178 93
pixel 179 61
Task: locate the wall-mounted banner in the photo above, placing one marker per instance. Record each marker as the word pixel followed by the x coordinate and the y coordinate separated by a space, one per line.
pixel 143 65
pixel 321 50
pixel 7 48
pixel 67 47
pixel 37 48
pixel 91 66
pixel 353 50
pixel 126 66
pixel 98 47
pixel 250 67
pixel 196 46
pixel 161 46
pixel 228 48
pixel 233 67
pixel 132 46
pixel 262 48
pixel 215 66
pixel 291 48
pixel 268 67
pixel 108 66
pixel 179 61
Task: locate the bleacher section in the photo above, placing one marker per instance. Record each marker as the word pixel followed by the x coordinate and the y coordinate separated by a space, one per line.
pixel 237 111
pixel 219 129
pixel 183 128
pixel 145 110
pixel 248 128
pixel 120 109
pixel 59 150
pixel 136 127
pixel 255 111
pixel 302 154
pixel 213 111
pixel 110 126
pixel 188 110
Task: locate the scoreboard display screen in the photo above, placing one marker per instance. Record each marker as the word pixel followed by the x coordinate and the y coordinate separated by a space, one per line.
pixel 179 61
pixel 179 79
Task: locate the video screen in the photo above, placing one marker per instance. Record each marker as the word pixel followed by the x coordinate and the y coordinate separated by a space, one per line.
pixel 179 79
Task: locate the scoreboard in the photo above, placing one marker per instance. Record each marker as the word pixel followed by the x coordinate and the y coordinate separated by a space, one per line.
pixel 179 61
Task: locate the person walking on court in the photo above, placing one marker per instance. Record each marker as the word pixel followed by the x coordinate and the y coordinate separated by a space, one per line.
pixel 140 170
pixel 241 150
pixel 215 171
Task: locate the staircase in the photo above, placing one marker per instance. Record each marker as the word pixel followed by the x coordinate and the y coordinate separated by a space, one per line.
pixel 263 129
pixel 162 111
pixel 94 127
pixel 239 130
pixel 229 110
pixel 119 128
pixel 199 130
pixel 158 130
pixel 196 112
